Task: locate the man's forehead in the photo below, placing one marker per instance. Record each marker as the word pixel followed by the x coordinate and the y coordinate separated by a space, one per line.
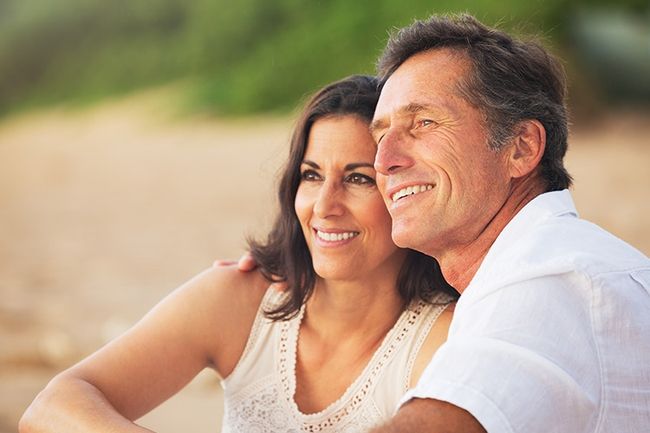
pixel 405 104
pixel 429 79
pixel 435 62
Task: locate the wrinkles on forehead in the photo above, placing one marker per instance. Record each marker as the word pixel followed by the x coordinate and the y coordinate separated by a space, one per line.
pixel 432 106
pixel 428 87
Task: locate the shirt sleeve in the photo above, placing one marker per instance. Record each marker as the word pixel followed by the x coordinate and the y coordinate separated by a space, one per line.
pixel 519 360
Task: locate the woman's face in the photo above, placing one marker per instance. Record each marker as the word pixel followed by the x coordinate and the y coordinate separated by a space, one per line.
pixel 342 215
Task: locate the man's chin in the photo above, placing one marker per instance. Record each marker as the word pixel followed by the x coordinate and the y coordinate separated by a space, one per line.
pixel 411 236
pixel 403 237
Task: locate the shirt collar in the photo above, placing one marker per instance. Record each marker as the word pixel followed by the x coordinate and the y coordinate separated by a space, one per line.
pixel 541 208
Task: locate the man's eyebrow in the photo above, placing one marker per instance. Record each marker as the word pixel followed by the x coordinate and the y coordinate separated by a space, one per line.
pixel 376 125
pixel 412 108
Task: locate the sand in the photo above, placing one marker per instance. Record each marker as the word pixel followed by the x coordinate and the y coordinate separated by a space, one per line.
pixel 105 210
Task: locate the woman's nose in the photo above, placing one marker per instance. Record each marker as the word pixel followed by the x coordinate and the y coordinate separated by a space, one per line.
pixel 329 200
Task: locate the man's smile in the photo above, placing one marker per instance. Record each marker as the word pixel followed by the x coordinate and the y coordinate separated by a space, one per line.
pixel 410 190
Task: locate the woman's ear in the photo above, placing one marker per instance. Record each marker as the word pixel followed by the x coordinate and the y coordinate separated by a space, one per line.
pixel 527 148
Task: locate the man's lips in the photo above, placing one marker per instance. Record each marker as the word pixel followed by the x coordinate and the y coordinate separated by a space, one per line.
pixel 404 191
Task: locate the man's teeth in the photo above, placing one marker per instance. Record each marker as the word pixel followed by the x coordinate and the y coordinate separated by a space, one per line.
pixel 335 236
pixel 415 189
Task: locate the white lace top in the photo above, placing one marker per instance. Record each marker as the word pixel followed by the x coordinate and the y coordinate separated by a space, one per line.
pixel 258 394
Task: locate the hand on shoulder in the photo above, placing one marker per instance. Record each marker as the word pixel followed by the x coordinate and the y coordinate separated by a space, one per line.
pixel 231 281
pixel 245 264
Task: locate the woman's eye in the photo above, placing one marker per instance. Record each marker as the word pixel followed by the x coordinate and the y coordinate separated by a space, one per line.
pixel 309 175
pixel 360 179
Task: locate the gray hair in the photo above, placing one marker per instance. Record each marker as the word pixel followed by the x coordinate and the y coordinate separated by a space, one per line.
pixel 511 81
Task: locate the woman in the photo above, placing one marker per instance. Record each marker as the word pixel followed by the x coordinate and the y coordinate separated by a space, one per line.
pixel 356 327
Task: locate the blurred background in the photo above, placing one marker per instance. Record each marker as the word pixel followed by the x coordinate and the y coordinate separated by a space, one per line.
pixel 139 141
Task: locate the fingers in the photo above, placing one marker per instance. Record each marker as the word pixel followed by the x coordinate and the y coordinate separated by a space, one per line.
pixel 246 263
pixel 280 286
pixel 221 263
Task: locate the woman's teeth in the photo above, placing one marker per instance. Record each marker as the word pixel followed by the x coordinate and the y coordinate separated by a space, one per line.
pixel 331 237
pixel 411 190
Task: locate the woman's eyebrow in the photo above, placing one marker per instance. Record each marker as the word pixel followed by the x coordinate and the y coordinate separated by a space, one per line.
pixel 348 167
pixel 355 165
pixel 310 163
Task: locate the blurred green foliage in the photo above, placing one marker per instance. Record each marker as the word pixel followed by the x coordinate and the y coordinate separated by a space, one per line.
pixel 239 57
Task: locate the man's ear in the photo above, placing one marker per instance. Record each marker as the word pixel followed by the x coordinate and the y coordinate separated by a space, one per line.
pixel 527 148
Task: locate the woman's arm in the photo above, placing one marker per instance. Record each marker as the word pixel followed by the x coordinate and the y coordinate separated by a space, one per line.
pixel 204 323
pixel 71 404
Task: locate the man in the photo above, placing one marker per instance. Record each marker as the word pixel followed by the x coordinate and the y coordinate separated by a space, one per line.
pixel 552 329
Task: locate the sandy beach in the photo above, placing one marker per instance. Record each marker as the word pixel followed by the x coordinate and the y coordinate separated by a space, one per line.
pixel 103 211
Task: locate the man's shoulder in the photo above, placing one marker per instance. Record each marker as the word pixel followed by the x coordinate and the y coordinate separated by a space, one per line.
pixel 560 244
pixel 560 262
pixel 582 243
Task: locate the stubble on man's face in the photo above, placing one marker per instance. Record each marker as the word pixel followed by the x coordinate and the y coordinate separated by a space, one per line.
pixel 433 141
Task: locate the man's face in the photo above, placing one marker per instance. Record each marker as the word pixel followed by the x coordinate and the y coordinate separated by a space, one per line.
pixel 440 182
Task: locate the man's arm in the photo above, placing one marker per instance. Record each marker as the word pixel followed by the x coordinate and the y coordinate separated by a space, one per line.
pixel 421 415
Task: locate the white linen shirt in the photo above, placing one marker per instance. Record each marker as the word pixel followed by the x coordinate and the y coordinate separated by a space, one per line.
pixel 553 332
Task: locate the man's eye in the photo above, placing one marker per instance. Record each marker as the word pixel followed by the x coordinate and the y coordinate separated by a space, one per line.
pixel 425 122
pixel 309 175
pixel 360 179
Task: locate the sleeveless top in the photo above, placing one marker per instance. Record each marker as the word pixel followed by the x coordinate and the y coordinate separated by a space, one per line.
pixel 258 394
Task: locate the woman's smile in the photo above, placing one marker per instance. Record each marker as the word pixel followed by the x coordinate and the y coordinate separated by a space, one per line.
pixel 343 217
pixel 334 237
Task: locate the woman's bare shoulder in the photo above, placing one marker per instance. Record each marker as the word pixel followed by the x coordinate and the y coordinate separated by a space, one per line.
pixel 436 337
pixel 227 297
pixel 230 283
pixel 229 302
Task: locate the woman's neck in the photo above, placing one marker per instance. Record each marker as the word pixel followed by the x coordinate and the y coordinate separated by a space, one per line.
pixel 350 308
pixel 343 326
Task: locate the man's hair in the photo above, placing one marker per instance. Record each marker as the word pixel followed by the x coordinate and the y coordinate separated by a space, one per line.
pixel 284 255
pixel 510 81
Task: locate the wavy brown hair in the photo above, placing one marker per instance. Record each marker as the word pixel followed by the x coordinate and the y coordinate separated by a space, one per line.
pixel 284 255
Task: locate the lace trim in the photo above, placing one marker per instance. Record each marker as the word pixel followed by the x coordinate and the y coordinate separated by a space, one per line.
pixel 259 410
pixel 431 318
pixel 358 391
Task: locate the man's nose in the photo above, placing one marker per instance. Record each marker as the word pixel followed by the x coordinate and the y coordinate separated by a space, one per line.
pixel 392 153
pixel 329 201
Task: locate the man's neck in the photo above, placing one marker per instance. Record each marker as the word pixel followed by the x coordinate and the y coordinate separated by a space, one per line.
pixel 459 265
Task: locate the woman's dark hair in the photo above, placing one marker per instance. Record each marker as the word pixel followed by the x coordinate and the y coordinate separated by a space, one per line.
pixel 284 255
pixel 511 80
